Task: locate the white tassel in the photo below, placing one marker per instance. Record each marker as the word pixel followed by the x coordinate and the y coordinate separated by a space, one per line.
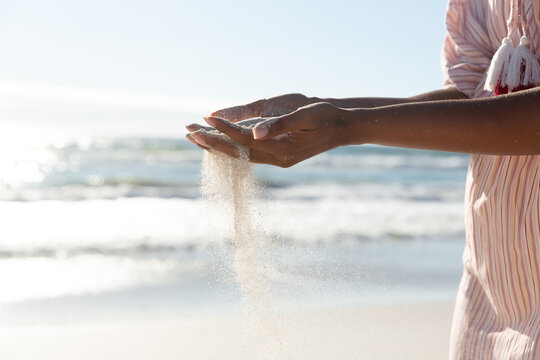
pixel 523 64
pixel 499 65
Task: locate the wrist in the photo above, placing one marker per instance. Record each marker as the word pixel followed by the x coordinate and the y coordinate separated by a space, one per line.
pixel 358 126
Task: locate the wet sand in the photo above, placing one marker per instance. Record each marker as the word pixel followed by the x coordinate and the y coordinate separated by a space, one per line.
pixel 419 331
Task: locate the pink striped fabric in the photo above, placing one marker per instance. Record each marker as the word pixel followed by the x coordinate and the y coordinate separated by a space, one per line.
pixel 497 313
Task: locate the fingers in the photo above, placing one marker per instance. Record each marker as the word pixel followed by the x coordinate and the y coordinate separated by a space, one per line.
pixel 221 144
pixel 275 106
pixel 188 136
pixel 210 141
pixel 236 132
pixel 306 118
pixel 242 112
pixel 195 127
pixel 283 104
pixel 234 114
pixel 294 122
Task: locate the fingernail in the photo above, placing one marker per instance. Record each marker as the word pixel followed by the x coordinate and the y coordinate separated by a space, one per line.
pixel 260 131
pixel 210 120
pixel 199 138
pixel 193 127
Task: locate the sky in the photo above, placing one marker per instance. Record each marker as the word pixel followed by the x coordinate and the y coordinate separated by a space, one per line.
pixel 148 68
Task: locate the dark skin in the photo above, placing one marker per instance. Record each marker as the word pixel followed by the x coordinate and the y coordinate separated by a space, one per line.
pixel 444 120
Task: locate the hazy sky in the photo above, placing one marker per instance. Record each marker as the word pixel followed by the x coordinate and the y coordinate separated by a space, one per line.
pixel 149 67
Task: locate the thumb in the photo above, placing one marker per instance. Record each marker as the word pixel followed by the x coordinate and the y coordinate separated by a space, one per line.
pixel 293 122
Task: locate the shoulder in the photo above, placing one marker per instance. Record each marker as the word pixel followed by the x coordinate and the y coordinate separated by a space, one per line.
pixel 478 9
pixel 467 23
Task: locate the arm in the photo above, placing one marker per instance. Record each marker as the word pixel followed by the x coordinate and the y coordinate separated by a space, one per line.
pixel 443 94
pixel 285 104
pixel 508 125
pixel 502 125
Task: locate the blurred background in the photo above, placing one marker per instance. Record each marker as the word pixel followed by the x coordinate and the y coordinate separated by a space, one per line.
pixel 102 220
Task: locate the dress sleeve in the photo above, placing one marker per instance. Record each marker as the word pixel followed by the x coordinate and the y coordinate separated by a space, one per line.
pixel 466 52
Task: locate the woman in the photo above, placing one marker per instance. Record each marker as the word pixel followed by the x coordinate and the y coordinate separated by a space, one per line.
pixel 490 108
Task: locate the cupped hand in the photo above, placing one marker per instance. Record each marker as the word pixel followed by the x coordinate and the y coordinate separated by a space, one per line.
pixel 275 106
pixel 283 140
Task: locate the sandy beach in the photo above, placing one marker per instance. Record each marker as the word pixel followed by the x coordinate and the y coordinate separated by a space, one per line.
pixel 365 257
pixel 417 331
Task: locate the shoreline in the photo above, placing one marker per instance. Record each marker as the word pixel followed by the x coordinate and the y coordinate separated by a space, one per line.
pixel 406 331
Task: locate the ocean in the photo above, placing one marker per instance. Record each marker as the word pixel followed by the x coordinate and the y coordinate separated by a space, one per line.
pixel 108 227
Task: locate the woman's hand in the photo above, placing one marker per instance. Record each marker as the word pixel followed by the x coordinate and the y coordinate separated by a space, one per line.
pixel 284 140
pixel 275 106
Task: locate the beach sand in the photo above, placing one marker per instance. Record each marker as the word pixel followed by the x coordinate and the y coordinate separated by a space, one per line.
pixel 419 331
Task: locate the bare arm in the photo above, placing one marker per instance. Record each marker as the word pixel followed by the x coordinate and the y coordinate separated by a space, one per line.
pixel 285 104
pixel 504 125
pixel 371 102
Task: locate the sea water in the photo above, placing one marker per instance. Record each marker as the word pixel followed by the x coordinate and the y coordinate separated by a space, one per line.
pixel 120 222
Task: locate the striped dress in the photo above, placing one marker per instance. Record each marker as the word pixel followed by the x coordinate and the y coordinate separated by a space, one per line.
pixel 497 313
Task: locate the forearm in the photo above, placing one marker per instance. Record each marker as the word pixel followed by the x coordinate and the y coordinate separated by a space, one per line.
pixel 371 102
pixel 503 125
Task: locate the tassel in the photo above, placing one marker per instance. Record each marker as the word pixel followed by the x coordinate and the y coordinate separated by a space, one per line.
pixel 524 69
pixel 496 75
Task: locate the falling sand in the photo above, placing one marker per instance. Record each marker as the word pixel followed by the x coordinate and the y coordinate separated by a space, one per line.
pixel 230 185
